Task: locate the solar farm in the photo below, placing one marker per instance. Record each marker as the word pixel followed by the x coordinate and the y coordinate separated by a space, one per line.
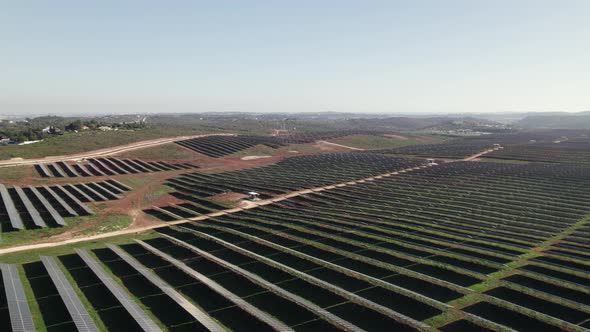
pixel 472 234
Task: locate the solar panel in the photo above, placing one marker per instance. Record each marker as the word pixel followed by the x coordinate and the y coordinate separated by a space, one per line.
pixel 110 187
pixel 144 321
pixel 95 192
pixel 276 324
pixel 157 166
pixel 274 288
pixel 58 219
pixel 73 198
pixel 67 166
pixel 30 208
pixel 44 171
pixel 63 203
pixel 119 184
pixel 59 170
pixel 127 164
pixel 105 169
pixel 15 219
pixel 101 185
pixel 136 165
pixel 18 307
pixel 82 170
pixel 79 315
pixel 92 168
pixel 80 192
pixel 168 213
pixel 194 311
pixel 146 165
pixel 113 166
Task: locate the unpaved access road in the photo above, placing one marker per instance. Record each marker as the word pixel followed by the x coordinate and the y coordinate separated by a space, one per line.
pixel 102 152
pixel 340 145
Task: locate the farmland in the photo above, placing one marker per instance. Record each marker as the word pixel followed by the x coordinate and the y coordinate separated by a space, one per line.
pixel 360 241
pixel 87 141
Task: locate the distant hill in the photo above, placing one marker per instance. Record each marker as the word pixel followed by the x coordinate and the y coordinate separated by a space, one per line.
pixel 562 121
pixel 431 123
pixel 398 123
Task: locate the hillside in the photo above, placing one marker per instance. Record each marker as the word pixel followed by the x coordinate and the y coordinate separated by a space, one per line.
pixel 562 121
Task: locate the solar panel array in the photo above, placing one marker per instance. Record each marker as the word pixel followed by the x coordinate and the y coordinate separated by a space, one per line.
pixel 78 312
pixel 47 206
pixel 107 167
pixel 140 316
pixel 18 306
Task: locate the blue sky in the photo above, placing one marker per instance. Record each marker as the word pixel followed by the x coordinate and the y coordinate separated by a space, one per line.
pixel 351 56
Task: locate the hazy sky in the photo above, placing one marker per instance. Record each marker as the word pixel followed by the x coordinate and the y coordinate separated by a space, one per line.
pixel 350 56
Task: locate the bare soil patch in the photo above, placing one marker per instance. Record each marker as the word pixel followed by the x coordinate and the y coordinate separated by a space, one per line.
pixel 254 157
pixel 396 136
pixel 330 147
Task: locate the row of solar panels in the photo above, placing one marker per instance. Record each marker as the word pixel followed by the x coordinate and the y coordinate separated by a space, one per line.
pixel 20 314
pixel 46 206
pixel 107 167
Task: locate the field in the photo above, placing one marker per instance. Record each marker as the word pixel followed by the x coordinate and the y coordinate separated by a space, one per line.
pixel 363 240
pixel 165 152
pixel 12 174
pixel 71 143
pixel 369 142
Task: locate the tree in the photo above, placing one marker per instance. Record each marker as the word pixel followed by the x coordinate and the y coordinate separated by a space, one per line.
pixel 76 125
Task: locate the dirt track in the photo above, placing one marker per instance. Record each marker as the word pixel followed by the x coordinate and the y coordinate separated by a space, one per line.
pixel 102 152
pixel 340 145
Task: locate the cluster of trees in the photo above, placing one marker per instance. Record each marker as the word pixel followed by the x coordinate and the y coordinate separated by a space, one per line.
pixel 43 127
pixel 93 124
pixel 21 133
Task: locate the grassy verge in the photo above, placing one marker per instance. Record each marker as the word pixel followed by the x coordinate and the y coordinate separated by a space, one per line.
pixel 135 182
pixel 162 152
pixel 258 150
pixel 30 235
pixel 33 255
pixel 76 226
pixel 13 174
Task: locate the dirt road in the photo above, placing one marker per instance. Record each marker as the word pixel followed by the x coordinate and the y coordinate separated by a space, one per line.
pixel 340 145
pixel 102 152
pixel 477 155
